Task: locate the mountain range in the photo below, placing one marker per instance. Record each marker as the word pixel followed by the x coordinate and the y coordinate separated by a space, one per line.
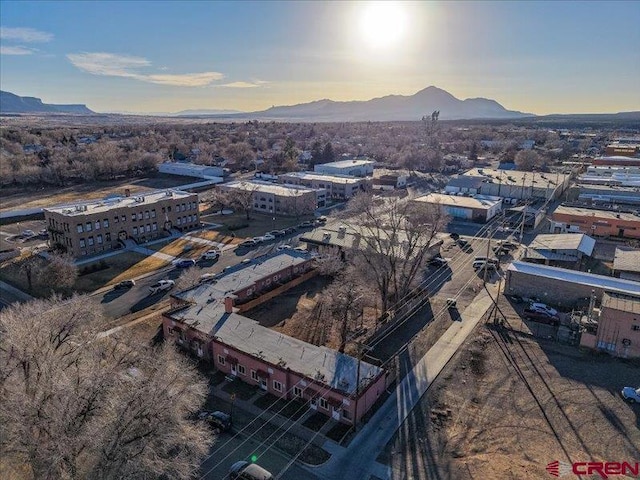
pixel 11 103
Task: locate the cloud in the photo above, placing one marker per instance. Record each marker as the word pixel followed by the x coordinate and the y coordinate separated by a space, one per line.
pixel 16 50
pixel 112 65
pixel 25 35
pixel 240 85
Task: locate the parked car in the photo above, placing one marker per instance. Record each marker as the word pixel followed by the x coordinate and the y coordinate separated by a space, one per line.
pixel 543 307
pixel 463 244
pixel 494 261
pixel 507 244
pixel 454 236
pixel 210 255
pixel 248 471
pixel 161 286
pixel 321 219
pixel 306 224
pixel 246 260
pixel 268 237
pixel 277 233
pixel 208 277
pixel 248 243
pixel 438 262
pixel 258 240
pixel 631 395
pixel 28 233
pixel 301 249
pixel 44 233
pixel 481 265
pixel 123 285
pixel 451 303
pixel 541 317
pixel 219 421
pixel 185 263
pixel 289 230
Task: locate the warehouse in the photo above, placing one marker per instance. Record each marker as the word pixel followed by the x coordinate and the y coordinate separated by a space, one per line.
pixel 476 209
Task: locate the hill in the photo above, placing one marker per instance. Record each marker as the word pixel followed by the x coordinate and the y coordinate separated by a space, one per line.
pixel 11 103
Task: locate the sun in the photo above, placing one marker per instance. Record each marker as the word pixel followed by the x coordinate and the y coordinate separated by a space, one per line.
pixel 383 24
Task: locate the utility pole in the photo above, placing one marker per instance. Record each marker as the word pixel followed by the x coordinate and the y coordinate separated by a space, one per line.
pixel 486 265
pixel 524 211
pixel 355 412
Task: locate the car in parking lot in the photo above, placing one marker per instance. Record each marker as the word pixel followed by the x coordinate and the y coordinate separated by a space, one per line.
pixel 258 239
pixel 161 286
pixel 631 395
pixel 124 284
pixel 248 471
pixel 306 224
pixel 289 230
pixel 507 244
pixel 206 277
pixel 28 233
pixel 185 263
pixel 482 265
pixel 283 247
pixel 438 262
pixel 210 255
pixel 301 249
pixel 544 308
pixel 321 219
pixel 277 233
pixel 268 237
pixel 219 421
pixel 454 236
pixel 248 243
pixel 541 317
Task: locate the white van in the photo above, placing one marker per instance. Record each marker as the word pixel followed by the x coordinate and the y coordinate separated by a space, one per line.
pixel 248 471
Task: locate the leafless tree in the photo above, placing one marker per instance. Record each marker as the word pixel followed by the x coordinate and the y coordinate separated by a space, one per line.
pixel 243 198
pixel 76 406
pixel 527 160
pixel 397 239
pixel 59 272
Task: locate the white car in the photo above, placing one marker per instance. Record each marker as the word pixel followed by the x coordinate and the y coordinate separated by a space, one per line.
pixel 283 247
pixel 210 255
pixel 258 239
pixel 544 308
pixel 267 237
pixel 631 395
pixel 208 276
pixel 300 249
pixel 161 286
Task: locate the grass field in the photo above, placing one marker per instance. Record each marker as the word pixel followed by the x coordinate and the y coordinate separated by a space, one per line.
pixel 123 266
pixel 259 224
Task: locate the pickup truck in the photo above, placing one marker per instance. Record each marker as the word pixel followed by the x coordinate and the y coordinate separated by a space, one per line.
pixel 541 317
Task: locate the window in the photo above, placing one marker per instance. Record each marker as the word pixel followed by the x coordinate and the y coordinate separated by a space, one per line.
pixel 107 237
pixel 148 228
pixel 221 360
pixel 242 370
pixel 133 217
pixel 124 218
pixel 154 226
pixel 116 219
pixel 135 230
pixel 324 404
pixel 168 208
pixel 254 376
pixel 146 214
pixel 82 243
pixel 297 392
pixel 79 228
pixel 97 224
pixel 99 239
pixel 88 227
pixel 277 386
pixel 177 207
pixel 178 221
pixel 90 241
pixel 105 223
pixel 153 213
pixel 139 215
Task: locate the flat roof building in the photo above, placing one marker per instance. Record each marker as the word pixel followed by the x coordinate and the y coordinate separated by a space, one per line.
pixel 520 185
pixel 87 228
pixel 357 168
pixel 626 263
pixel 341 187
pixel 478 208
pixel 605 223
pixel 565 249
pixel 192 170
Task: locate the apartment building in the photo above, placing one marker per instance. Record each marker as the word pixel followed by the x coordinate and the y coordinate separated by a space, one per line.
pixel 93 227
pixel 338 187
pixel 276 199
pixel 604 223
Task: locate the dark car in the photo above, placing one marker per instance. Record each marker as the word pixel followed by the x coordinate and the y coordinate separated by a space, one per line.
pixel 277 233
pixel 306 225
pixel 541 317
pixel 219 421
pixel 290 230
pixel 123 285
pixel 438 262
pixel 454 236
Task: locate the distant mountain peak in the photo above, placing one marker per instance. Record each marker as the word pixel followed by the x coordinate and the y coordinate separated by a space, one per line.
pixel 12 103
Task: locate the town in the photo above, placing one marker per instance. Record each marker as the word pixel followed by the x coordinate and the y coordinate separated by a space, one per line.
pixel 353 313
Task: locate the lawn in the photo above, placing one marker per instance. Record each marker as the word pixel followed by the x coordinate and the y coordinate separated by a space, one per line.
pixel 182 248
pixel 122 266
pixel 258 224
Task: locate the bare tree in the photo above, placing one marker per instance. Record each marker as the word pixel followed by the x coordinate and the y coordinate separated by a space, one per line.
pixel 59 273
pixel 527 160
pixel 73 406
pixel 243 197
pixel 397 239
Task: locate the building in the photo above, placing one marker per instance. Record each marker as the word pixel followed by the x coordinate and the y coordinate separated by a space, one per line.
pixel 389 181
pixel 276 199
pixel 479 208
pixel 618 327
pixel 626 263
pixel 624 149
pixel 608 194
pixel 191 170
pixel 619 160
pixel 623 176
pixel 564 250
pixel 92 227
pixel 520 185
pixel 338 187
pixel 559 286
pixel 207 321
pixel 356 168
pixel 465 184
pixel 603 223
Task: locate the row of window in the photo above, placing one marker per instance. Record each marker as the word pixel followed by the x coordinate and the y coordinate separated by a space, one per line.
pixel 90 241
pixel 186 219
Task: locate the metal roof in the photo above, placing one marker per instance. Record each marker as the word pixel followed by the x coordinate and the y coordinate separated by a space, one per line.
pixel 563 241
pixel 478 202
pixel 626 260
pixel 623 303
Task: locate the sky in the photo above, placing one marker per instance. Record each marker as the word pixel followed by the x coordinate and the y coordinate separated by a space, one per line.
pixel 162 56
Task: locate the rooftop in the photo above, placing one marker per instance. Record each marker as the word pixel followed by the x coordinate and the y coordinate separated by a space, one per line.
pixel 348 163
pixel 272 188
pixel 610 284
pixel 627 260
pixel 321 176
pixel 517 177
pixel 592 212
pixel 480 202
pixel 623 303
pixel 545 245
pixel 97 206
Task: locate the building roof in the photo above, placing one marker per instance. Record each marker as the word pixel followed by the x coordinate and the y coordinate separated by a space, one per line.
pixel 134 201
pixel 334 178
pixel 611 284
pixel 516 177
pixel 562 246
pixel 626 260
pixel 623 303
pixel 478 202
pixel 347 163
pixel 207 314
pixel 592 212
pixel 271 188
pixel 194 167
pixel 466 181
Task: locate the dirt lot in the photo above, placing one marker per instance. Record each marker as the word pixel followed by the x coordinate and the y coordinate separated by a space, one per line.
pixel 23 199
pixel 508 404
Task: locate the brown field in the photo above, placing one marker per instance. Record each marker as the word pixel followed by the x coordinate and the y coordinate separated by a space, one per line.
pixel 508 404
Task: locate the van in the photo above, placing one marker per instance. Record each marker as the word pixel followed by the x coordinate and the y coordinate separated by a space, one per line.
pixel 248 471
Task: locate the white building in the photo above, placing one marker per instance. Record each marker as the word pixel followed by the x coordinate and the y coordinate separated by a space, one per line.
pixel 356 168
pixel 191 170
pixel 341 187
pixel 477 209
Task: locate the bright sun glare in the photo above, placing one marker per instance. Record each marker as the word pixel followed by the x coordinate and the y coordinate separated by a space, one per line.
pixel 383 24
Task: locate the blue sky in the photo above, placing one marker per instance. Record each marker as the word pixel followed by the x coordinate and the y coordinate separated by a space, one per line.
pixel 148 56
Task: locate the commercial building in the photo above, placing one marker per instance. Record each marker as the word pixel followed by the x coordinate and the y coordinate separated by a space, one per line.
pixel 520 185
pixel 389 181
pixel 603 223
pixel 357 168
pixel 619 160
pixel 93 227
pixel 624 149
pixel 465 184
pixel 618 327
pixel 276 199
pixel 191 170
pixel 479 208
pixel 626 263
pixel 623 176
pixel 609 194
pixel 339 187
pixel 559 286
pixel 566 250
pixel 207 320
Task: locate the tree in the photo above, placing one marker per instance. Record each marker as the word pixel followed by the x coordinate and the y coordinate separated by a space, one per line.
pixel 75 407
pixel 243 197
pixel 316 154
pixel 60 272
pixel 328 155
pixel 527 160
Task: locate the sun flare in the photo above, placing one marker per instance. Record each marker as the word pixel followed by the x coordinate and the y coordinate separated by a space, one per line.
pixel 383 24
